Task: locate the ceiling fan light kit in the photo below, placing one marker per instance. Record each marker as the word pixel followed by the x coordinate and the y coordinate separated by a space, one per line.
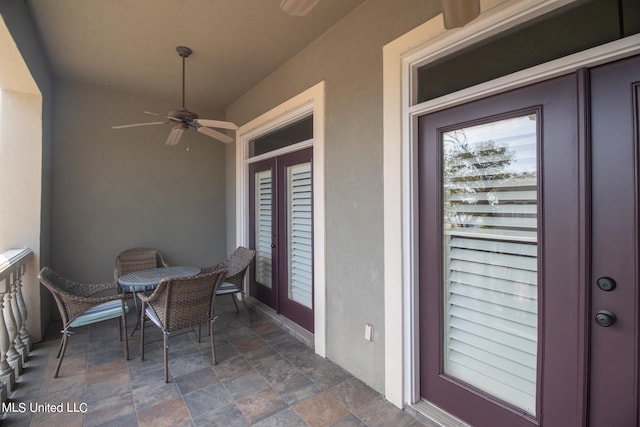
pixel 183 119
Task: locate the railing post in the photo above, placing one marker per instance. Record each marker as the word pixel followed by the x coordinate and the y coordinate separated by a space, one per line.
pixel 22 307
pixel 20 347
pixel 13 357
pixel 7 375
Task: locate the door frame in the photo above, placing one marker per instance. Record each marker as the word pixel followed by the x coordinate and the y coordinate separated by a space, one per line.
pixel 308 102
pixel 401 59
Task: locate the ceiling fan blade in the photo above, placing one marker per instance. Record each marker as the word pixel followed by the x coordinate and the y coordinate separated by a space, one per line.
pixel 152 113
pixel 174 136
pixel 138 124
pixel 215 134
pixel 216 124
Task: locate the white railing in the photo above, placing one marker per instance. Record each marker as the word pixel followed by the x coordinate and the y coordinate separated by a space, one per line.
pixel 15 342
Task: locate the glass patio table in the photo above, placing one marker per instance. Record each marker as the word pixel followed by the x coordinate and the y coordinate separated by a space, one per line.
pixel 148 280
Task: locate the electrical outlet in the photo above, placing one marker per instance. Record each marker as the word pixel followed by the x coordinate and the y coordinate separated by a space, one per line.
pixel 368 332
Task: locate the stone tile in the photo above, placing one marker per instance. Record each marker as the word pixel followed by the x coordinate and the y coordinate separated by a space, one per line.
pixel 261 405
pixel 232 332
pixel 154 394
pixel 224 351
pixel 247 345
pixel 110 386
pixel 186 364
pixel 110 409
pixel 246 385
pixel 276 337
pixel 226 416
pixel 287 417
pixel 231 368
pixel 353 393
pixel 381 413
pixel 63 419
pixel 106 354
pixel 124 420
pixel 263 356
pixel 265 327
pixel 150 374
pixel 196 380
pixel 279 371
pixel 320 410
pixel 208 399
pixel 327 374
pixel 102 372
pixel 69 396
pixel 72 365
pixel 296 389
pixel 169 413
pixel 293 347
pixel 349 421
pixel 264 377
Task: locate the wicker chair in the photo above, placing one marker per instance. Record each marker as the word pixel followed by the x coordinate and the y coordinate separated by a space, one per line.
pixel 83 304
pixel 236 266
pixel 180 303
pixel 136 259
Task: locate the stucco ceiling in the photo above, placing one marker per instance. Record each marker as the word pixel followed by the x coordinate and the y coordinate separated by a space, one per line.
pixel 129 45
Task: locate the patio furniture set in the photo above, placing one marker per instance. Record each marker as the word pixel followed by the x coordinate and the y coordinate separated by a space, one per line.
pixel 173 298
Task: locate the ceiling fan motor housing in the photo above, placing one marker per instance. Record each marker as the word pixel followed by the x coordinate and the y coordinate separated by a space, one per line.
pixel 182 115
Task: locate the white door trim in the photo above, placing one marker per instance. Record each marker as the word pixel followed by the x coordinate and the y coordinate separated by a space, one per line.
pixel 422 45
pixel 311 101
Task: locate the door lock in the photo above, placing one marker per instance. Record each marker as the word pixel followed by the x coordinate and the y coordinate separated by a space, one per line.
pixel 606 283
pixel 605 318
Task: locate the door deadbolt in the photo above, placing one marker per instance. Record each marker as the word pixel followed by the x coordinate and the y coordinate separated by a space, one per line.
pixel 606 283
pixel 605 318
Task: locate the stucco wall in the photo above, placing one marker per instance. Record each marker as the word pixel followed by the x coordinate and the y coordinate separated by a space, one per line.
pixel 115 189
pixel 349 58
pixel 36 111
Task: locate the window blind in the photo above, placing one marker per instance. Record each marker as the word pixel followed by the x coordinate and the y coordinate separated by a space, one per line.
pixel 263 226
pixel 300 244
pixel 490 258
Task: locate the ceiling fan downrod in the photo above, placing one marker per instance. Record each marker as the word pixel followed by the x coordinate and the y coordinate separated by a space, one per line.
pixel 184 53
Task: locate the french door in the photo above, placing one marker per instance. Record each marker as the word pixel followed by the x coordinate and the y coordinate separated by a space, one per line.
pixel 528 219
pixel 281 231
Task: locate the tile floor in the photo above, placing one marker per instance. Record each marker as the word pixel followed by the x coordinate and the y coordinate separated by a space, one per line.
pixel 264 377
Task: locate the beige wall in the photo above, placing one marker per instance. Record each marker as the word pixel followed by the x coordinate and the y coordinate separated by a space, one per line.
pixel 33 123
pixel 115 189
pixel 349 58
pixel 20 181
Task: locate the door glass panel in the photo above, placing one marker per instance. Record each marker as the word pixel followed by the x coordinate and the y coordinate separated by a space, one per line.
pixel 490 206
pixel 263 226
pixel 299 237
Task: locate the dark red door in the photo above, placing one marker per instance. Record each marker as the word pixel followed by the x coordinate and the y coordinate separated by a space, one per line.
pixel 500 272
pixel 614 282
pixel 281 231
pixel 528 228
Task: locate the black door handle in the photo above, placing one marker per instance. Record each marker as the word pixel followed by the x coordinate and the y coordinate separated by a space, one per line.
pixel 605 318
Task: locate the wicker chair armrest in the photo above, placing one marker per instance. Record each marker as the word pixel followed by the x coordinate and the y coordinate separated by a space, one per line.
pixel 87 290
pixel 214 268
pixel 157 294
pixel 92 300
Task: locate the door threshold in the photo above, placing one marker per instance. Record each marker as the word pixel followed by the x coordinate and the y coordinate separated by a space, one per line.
pixel 431 415
pixel 295 330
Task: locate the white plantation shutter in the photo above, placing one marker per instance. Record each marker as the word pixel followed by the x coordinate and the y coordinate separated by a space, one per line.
pixel 263 226
pixel 490 259
pixel 300 244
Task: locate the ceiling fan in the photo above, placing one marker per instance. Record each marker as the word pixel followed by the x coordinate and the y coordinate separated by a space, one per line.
pixel 184 119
